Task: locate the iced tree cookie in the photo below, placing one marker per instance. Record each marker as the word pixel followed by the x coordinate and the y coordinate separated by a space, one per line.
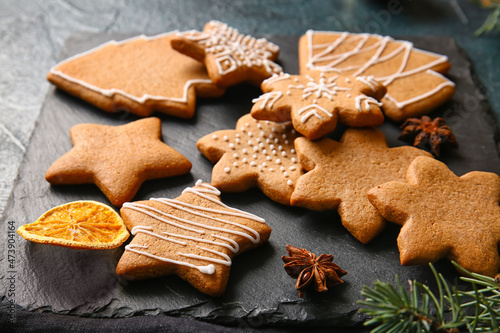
pixel 444 216
pixel 256 153
pixel 229 56
pixel 118 159
pixel 194 236
pixel 341 173
pixel 314 103
pixel 413 77
pixel 138 75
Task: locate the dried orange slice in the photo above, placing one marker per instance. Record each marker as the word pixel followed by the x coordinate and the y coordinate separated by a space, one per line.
pixel 79 225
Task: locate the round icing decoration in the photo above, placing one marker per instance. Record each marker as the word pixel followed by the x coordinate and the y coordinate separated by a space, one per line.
pixel 250 142
pixel 255 148
pixel 225 138
pixel 287 142
pixel 294 160
pixel 284 136
pixel 271 136
pixel 285 174
pixel 244 151
pixel 235 164
pixel 254 156
pixel 273 129
pixel 268 158
pixel 244 160
pixel 262 133
pixel 250 134
pixel 288 92
pixel 253 163
pixel 264 164
pixel 294 131
pixel 292 151
pixel 247 124
pixel 271 169
pixel 259 125
pixel 267 140
pixel 292 167
pixel 243 129
pixel 283 153
pixel 264 151
pixel 271 146
pixel 261 145
pixel 260 167
pixel 237 135
pixel 274 152
pixel 276 140
pixel 235 155
pixel 282 168
pixel 278 161
pixel 289 182
pixel 227 169
pixel 231 145
pixel 348 95
pixel 258 139
pixel 214 137
pixel 280 147
pixel 347 80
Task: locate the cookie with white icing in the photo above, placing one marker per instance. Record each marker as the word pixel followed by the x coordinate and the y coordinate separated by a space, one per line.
pixel 230 57
pixel 413 77
pixel 194 236
pixel 138 75
pixel 315 103
pixel 255 154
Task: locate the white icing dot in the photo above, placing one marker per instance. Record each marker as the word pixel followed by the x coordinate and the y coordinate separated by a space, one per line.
pixel 250 142
pixel 237 141
pixel 253 163
pixel 242 129
pixel 264 164
pixel 214 137
pixel 287 142
pixel 231 145
pixel 254 156
pixel 227 169
pixel 261 145
pixel 296 80
pixel 274 152
pixel 293 168
pixel 235 155
pixel 237 135
pixel 278 161
pixel 284 136
pixel 260 167
pixel 294 160
pixel 271 169
pixel 294 131
pixel 244 151
pixel 268 158
pixel 244 160
pixel 292 151
pixel 255 148
pixel 280 147
pixel 271 136
pixel 276 140
pixel 262 133
pixel 315 101
pixel 282 168
pixel 283 153
pixel 348 95
pixel 250 134
pixel 347 80
pixel 235 164
pixel 264 151
pixel 259 125
pixel 271 146
pixel 285 174
pixel 289 182
pixel 225 138
pixel 267 140
pixel 273 129
pixel 247 124
pixel 258 139
pixel 288 92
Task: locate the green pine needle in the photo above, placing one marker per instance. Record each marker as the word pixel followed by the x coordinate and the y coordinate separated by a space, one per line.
pixel 394 308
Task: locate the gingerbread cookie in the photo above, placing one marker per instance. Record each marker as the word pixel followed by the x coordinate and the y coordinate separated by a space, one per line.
pixel 412 76
pixel 118 159
pixel 194 236
pixel 257 153
pixel 314 102
pixel 229 56
pixel 443 215
pixel 139 75
pixel 340 173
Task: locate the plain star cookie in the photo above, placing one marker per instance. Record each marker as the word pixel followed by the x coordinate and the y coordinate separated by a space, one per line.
pixel 194 236
pixel 229 56
pixel 118 159
pixel 413 77
pixel 443 215
pixel 314 103
pixel 256 153
pixel 138 75
pixel 341 173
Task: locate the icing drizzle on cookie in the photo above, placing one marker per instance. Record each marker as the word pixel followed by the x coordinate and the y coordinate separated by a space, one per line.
pixel 233 50
pixel 322 57
pixel 200 232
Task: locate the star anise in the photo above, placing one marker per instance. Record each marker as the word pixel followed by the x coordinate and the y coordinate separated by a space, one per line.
pixel 428 134
pixel 311 272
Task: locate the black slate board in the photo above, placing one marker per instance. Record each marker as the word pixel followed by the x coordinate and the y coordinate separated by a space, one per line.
pixel 259 293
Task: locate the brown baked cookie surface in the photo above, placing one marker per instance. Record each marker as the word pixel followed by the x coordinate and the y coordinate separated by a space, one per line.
pixel 314 103
pixel 229 56
pixel 443 215
pixel 194 236
pixel 138 75
pixel 118 159
pixel 341 173
pixel 255 154
pixel 413 77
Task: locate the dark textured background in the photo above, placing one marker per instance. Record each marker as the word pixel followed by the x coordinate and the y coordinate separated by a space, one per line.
pixel 30 42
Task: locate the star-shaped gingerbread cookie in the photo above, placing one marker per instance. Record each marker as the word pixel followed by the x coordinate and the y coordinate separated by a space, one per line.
pixel 443 215
pixel 257 153
pixel 229 56
pixel 314 103
pixel 341 173
pixel 139 75
pixel 194 236
pixel 118 159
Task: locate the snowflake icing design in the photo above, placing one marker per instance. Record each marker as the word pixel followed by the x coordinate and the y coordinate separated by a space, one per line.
pixel 321 98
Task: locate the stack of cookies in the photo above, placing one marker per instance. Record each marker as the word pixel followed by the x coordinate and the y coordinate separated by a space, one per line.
pixel 282 146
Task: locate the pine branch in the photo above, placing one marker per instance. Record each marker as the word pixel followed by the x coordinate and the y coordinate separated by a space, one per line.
pixel 394 309
pixel 492 22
